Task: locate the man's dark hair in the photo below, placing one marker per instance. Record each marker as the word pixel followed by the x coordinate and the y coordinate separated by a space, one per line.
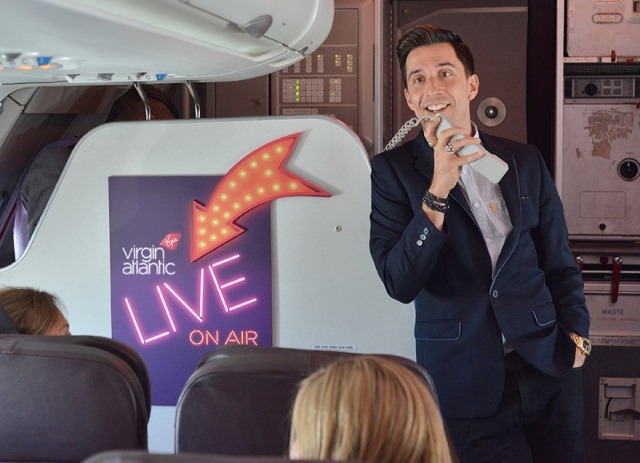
pixel 129 106
pixel 419 36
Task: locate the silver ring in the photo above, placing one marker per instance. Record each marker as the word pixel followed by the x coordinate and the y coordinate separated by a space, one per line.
pixel 449 148
pixel 432 143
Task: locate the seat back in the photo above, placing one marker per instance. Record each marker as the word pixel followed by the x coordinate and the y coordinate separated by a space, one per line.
pixel 143 457
pixel 63 400
pixel 238 400
pixel 117 348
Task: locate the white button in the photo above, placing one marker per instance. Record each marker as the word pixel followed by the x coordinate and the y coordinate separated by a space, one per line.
pixel 419 242
pixel 423 237
pixel 476 204
pixel 425 231
pixel 495 294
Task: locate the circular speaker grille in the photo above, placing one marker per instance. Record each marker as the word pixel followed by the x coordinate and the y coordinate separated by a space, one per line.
pixel 492 112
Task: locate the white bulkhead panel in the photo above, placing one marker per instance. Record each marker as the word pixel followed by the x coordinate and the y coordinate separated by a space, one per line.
pixel 325 290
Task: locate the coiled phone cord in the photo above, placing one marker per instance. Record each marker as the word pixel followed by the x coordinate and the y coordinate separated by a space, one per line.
pixel 404 130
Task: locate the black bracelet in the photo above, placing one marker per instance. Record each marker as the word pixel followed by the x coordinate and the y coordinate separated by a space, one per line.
pixel 436 203
pixel 436 199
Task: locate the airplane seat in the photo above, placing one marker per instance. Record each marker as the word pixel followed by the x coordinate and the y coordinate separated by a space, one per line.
pixel 118 348
pixel 239 398
pixel 65 401
pixel 125 456
pixel 313 359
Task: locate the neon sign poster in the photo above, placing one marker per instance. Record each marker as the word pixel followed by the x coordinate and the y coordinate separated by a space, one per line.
pixel 189 276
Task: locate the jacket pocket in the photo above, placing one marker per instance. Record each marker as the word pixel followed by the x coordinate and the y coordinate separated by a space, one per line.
pixel 438 330
pixel 544 314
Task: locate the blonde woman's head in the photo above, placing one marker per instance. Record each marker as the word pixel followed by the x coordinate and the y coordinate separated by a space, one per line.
pixel 367 408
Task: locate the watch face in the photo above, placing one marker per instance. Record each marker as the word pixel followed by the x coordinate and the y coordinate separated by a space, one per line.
pixel 583 343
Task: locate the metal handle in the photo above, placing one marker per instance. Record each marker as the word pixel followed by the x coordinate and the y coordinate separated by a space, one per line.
pixel 634 414
pixel 145 100
pixel 615 278
pixel 194 97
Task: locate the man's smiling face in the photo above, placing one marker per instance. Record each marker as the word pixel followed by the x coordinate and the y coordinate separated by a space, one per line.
pixel 437 83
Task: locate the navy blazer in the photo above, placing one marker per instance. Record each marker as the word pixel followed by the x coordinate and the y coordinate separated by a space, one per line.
pixel 534 299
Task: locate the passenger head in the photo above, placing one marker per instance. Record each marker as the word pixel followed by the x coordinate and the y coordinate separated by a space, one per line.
pixel 34 312
pixel 129 106
pixel 420 36
pixel 367 408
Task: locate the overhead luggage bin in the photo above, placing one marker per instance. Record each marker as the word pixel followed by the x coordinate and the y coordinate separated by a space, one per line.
pixel 156 40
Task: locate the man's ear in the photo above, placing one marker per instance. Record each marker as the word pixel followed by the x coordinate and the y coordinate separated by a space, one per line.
pixel 474 85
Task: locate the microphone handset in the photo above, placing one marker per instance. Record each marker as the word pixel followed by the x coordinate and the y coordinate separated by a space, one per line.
pixel 489 165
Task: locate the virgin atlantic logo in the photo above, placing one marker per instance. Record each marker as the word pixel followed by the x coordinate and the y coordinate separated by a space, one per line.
pixel 170 241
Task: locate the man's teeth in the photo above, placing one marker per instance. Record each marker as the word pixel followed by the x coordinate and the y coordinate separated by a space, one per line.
pixel 436 107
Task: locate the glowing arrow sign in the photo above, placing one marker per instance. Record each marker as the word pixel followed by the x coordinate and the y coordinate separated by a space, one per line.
pixel 260 177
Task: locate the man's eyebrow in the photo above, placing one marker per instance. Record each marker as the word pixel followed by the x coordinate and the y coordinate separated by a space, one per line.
pixel 415 71
pixel 439 65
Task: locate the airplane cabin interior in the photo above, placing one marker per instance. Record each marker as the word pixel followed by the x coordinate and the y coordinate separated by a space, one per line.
pixel 317 84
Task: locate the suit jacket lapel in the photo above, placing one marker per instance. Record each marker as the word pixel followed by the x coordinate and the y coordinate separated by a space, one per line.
pixel 423 155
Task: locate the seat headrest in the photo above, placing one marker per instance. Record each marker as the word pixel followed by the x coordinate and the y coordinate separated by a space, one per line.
pixel 62 401
pixel 144 457
pixel 239 398
pixel 303 362
pixel 117 348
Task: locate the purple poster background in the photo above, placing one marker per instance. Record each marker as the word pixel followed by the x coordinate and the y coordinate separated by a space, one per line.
pixel 173 311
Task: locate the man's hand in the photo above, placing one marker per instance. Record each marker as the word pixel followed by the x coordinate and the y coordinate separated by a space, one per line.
pixel 447 166
pixel 579 359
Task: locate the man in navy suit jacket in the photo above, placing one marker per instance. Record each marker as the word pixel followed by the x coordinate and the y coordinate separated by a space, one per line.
pixel 501 320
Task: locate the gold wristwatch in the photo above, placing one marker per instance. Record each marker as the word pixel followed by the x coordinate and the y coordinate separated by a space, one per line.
pixel 583 344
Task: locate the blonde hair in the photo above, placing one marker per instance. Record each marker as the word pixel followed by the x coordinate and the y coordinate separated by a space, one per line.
pixel 31 311
pixel 368 408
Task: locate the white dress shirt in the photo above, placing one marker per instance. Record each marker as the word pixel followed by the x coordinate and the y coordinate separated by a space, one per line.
pixel 490 211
